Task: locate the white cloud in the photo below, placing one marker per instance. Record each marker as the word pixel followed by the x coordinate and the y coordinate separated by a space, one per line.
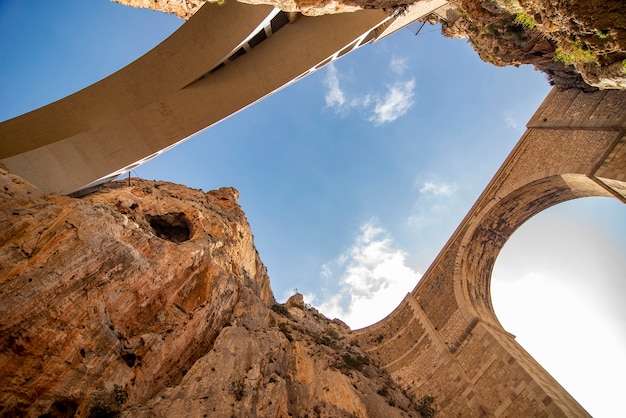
pixel 433 203
pixel 382 107
pixel 437 189
pixel 398 65
pixel 361 101
pixel 371 273
pixel 335 97
pixel 395 103
pixel 513 122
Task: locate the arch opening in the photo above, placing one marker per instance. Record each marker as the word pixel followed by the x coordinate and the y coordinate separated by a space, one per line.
pixel 496 222
pixel 557 285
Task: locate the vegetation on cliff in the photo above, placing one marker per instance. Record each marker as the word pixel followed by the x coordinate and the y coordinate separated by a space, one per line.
pixel 577 44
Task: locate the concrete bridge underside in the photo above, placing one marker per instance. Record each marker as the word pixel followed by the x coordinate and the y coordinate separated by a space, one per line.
pixel 444 339
pixel 223 59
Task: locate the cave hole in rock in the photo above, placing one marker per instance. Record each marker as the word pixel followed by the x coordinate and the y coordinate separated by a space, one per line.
pixel 61 408
pixel 172 226
pixel 129 359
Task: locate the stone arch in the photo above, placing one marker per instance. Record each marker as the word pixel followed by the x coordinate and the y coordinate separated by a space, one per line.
pixel 444 340
pixel 482 244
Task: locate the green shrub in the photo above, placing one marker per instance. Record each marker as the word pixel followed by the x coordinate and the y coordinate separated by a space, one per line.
pixel 602 34
pixel 280 309
pixel 332 333
pixel 238 388
pixel 525 20
pixel 119 395
pixel 425 407
pixel 573 53
pixel 357 362
pixel 324 340
pixel 107 404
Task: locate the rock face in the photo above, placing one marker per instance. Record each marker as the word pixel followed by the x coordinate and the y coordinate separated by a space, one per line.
pixel 186 8
pixel 578 44
pixel 151 300
pixel 181 8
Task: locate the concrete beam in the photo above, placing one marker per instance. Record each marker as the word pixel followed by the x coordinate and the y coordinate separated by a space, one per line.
pixel 137 113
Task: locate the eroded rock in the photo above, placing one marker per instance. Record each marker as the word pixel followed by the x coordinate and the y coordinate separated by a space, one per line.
pixel 151 300
pixel 577 44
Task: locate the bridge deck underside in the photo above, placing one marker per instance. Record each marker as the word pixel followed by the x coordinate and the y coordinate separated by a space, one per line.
pixel 212 67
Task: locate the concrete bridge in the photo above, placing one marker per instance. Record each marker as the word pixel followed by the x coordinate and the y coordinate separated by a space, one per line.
pixel 222 60
pixel 444 339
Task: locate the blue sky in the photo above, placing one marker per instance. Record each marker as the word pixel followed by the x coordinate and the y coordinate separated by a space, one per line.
pixel 354 178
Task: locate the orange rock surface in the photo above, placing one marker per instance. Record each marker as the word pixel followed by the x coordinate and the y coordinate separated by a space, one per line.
pixel 151 300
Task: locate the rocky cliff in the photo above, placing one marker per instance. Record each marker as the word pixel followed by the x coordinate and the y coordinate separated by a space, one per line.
pixel 151 300
pixel 577 44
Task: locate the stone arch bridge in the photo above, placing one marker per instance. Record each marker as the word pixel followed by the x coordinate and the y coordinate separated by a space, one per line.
pixel 444 339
